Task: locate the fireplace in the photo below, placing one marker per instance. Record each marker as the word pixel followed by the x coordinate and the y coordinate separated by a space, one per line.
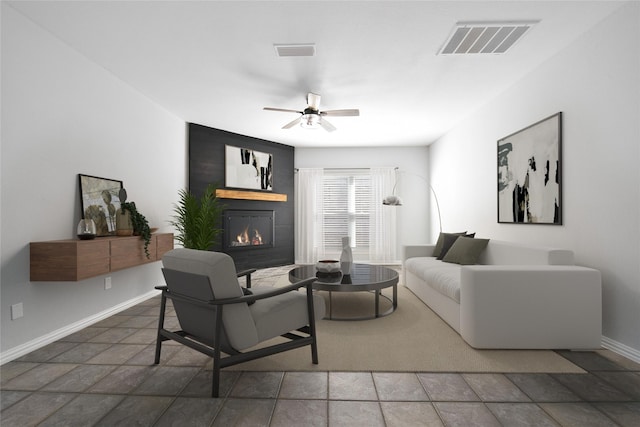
pixel 245 229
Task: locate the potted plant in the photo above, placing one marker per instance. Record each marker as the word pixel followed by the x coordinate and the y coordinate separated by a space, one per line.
pixel 197 221
pixel 129 221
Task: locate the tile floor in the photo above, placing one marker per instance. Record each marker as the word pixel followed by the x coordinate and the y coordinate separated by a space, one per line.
pixel 103 375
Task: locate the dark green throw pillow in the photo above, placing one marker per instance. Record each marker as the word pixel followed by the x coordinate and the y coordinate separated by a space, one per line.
pixel 438 249
pixel 465 251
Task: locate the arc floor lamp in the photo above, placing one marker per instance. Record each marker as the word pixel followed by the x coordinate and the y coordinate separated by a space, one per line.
pixel 394 200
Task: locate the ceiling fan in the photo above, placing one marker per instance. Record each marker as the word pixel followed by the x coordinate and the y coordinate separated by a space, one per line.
pixel 311 117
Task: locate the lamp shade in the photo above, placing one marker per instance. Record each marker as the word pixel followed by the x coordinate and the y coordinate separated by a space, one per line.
pixel 392 201
pixel 310 121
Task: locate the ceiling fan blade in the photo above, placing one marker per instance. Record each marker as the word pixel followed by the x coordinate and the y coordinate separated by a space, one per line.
pixel 284 110
pixel 292 124
pixel 337 113
pixel 327 126
pixel 313 101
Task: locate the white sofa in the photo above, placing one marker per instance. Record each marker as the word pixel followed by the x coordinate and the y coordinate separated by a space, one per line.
pixel 516 297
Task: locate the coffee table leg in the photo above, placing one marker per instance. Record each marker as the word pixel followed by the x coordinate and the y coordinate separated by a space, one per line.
pixel 395 297
pixel 330 307
pixel 378 303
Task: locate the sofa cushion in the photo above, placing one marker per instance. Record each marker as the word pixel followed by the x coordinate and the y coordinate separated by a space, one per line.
pixel 511 253
pixel 440 242
pixel 447 243
pixel 445 280
pixel 441 276
pixel 465 251
pixel 417 264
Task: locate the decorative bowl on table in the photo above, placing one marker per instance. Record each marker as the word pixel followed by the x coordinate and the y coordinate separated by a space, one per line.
pixel 333 277
pixel 328 266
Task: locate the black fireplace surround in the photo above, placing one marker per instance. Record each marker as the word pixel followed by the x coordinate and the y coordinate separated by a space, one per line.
pixel 207 166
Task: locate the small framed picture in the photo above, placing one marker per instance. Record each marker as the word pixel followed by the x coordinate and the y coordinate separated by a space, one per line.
pixel 100 199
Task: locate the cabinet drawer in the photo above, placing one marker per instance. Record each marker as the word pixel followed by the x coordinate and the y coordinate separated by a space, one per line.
pixel 127 252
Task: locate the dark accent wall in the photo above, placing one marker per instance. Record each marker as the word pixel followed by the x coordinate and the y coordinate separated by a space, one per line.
pixel 206 166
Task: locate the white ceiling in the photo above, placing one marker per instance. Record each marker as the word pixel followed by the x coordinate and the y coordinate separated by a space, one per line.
pixel 213 63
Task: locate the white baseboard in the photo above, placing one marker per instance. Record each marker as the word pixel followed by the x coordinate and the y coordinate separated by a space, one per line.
pixel 621 349
pixel 28 347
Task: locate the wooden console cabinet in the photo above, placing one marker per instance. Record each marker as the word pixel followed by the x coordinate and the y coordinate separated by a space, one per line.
pixel 73 260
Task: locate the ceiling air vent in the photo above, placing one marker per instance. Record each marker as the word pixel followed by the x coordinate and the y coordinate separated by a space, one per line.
pixel 288 50
pixel 484 37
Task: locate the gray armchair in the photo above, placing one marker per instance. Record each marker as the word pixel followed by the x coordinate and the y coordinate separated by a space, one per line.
pixel 216 317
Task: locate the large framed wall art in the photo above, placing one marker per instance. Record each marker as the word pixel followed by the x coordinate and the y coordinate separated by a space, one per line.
pixel 530 174
pixel 250 169
pixel 100 199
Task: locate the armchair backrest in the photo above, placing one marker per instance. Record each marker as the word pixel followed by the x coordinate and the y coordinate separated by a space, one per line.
pixel 238 324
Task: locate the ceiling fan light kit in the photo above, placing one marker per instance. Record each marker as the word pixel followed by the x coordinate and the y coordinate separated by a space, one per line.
pixel 311 117
pixel 310 121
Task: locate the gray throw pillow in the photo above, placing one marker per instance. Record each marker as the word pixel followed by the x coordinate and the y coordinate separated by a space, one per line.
pixel 465 251
pixel 438 249
pixel 447 242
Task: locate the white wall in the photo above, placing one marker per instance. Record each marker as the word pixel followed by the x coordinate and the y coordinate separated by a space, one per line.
pixel 413 185
pixel 63 115
pixel 595 82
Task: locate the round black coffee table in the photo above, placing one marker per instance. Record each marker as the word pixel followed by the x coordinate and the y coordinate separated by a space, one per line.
pixel 363 277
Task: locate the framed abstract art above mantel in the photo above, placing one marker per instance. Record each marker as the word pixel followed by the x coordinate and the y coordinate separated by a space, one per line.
pixel 248 169
pixel 530 174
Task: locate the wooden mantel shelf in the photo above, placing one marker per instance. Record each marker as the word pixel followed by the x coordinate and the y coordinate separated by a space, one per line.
pixel 251 195
pixel 72 260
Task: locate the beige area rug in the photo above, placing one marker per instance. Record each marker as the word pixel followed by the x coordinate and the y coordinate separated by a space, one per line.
pixel 411 339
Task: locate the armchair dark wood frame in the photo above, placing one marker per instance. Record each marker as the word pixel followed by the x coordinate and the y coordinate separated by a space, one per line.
pixel 220 345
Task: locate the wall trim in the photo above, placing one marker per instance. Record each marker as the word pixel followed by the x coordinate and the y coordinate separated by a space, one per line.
pixel 29 346
pixel 621 349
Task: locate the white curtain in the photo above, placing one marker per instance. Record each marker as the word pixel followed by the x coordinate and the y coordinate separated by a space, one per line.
pixel 382 230
pixel 309 239
pixel 309 221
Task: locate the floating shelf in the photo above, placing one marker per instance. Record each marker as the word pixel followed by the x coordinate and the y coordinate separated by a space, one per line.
pixel 72 260
pixel 251 195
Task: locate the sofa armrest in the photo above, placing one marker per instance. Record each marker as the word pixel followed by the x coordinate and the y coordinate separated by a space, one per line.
pixel 412 251
pixel 527 306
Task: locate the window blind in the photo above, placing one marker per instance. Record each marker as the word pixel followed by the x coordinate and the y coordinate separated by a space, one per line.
pixel 346 209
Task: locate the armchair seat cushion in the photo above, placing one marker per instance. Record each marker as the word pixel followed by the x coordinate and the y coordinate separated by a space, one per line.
pixel 268 313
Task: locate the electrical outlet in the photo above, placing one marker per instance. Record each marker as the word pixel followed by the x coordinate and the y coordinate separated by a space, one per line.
pixel 107 283
pixel 16 311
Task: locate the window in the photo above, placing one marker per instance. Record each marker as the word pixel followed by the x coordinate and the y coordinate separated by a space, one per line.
pixel 333 203
pixel 346 209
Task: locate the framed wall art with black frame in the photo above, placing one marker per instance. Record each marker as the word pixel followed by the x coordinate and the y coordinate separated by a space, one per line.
pixel 248 169
pixel 100 199
pixel 530 174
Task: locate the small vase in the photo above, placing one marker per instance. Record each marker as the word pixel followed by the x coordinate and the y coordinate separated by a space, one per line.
pixel 124 226
pixel 346 257
pixel 86 229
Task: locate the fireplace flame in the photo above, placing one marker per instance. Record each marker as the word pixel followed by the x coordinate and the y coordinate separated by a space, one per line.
pixel 243 238
pixel 257 238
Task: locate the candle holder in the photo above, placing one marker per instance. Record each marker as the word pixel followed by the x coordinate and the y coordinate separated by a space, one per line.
pixel 86 229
